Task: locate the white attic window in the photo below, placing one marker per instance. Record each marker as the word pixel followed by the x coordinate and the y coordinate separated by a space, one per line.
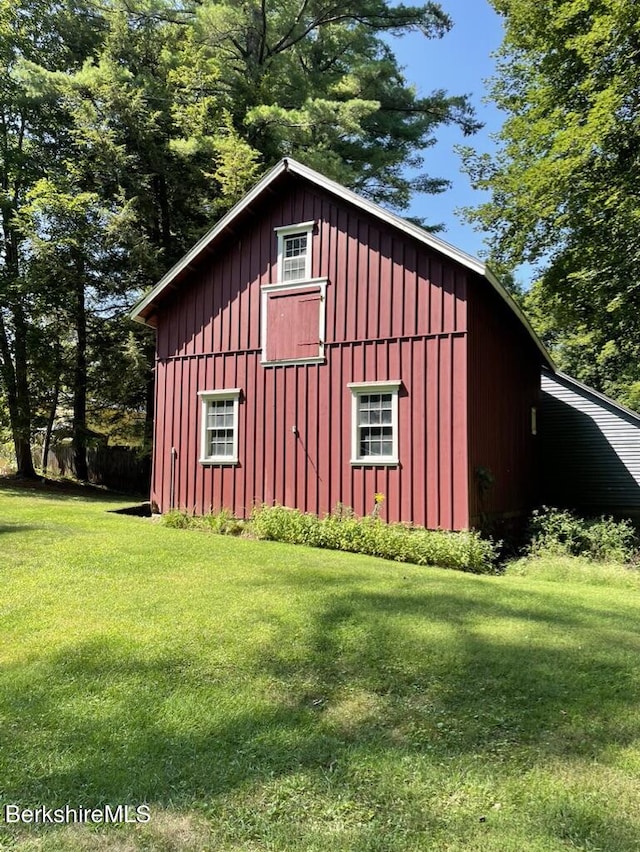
pixel 294 252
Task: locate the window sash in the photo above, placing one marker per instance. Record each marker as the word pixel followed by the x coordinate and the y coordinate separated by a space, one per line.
pixel 220 428
pixel 219 436
pixel 374 423
pixel 294 252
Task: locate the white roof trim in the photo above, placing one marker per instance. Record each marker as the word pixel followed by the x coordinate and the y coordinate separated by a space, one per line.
pixel 557 374
pixel 204 241
pixel 288 164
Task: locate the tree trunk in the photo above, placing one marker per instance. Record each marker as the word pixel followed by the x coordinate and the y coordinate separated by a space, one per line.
pixel 79 439
pixel 50 422
pixel 162 235
pixel 22 429
pixel 149 413
pixel 14 370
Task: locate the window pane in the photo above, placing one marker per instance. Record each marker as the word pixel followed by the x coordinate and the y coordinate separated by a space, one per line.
pixel 375 425
pixel 294 268
pixel 295 245
pixel 220 428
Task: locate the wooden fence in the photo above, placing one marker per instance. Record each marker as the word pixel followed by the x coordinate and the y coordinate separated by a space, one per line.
pixel 119 468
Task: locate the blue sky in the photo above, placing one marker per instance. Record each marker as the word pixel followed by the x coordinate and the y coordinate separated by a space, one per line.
pixel 459 63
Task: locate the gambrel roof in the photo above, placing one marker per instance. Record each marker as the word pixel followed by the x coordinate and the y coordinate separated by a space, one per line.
pixel 145 309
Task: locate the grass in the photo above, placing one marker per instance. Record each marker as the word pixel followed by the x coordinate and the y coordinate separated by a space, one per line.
pixel 261 696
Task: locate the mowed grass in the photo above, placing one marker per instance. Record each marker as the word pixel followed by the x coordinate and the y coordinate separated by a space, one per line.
pixel 261 696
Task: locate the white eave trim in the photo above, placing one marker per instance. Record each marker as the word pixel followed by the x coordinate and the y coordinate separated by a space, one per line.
pixel 293 166
pixel 204 241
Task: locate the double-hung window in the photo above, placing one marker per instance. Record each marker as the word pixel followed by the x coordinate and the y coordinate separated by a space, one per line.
pixel 374 422
pixel 294 252
pixel 219 429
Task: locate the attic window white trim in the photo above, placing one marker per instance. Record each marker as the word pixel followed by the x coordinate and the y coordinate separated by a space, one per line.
pixel 226 434
pixel 294 252
pixel 362 432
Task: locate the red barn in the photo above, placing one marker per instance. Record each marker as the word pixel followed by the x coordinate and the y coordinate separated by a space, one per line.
pixel 315 349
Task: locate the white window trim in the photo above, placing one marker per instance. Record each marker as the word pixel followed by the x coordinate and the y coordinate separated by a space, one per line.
pixel 205 398
pixel 357 389
pixel 287 231
pixel 321 284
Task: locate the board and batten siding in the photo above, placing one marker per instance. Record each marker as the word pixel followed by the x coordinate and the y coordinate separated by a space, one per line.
pixel 590 449
pixel 395 310
pixel 504 385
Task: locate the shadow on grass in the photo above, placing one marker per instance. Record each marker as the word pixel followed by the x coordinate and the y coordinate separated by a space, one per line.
pixel 17 528
pixel 54 489
pixel 105 724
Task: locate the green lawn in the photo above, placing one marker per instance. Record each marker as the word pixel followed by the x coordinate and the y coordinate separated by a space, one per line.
pixel 261 696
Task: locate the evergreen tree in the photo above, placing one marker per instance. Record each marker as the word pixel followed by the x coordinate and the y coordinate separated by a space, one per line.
pixel 144 122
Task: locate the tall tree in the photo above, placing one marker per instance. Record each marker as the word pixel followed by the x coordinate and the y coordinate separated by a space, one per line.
pixel 318 81
pixel 158 117
pixel 53 36
pixel 564 184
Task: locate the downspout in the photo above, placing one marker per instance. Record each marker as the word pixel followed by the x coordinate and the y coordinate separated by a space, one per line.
pixel 172 483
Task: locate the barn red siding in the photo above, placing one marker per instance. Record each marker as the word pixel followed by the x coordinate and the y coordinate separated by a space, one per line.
pixel 310 468
pixel 381 285
pixel 504 380
pixel 394 310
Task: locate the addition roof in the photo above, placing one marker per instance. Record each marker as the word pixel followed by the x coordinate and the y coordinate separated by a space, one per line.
pixel 145 309
pixel 584 390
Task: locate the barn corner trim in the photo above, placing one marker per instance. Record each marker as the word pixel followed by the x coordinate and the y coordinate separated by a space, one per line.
pixel 143 311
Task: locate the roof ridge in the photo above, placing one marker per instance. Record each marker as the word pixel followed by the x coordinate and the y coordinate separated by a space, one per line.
pixel 292 166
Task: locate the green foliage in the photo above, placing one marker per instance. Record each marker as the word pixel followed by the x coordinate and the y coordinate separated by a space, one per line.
pixel 465 551
pixel 127 129
pixel 224 523
pixel 562 533
pixel 342 530
pixel 575 570
pixel 221 523
pixel 175 519
pixel 319 83
pixel 564 181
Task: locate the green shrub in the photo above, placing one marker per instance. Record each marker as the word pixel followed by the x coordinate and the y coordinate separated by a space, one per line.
pixel 222 522
pixel 562 533
pixel 177 520
pixel 555 531
pixel 341 530
pixel 275 523
pixel 611 541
